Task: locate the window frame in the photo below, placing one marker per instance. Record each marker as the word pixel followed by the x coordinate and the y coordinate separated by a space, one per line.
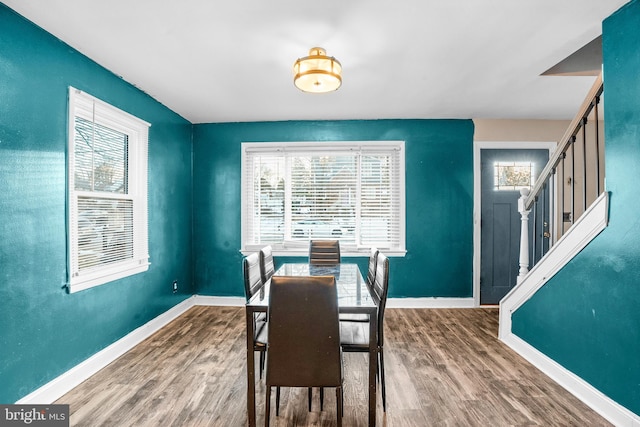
pixel 93 109
pixel 300 248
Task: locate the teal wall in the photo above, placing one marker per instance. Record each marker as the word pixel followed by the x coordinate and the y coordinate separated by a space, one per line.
pixel 44 331
pixel 587 318
pixel 439 197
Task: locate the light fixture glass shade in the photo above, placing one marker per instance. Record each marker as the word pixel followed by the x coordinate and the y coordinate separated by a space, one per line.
pixel 317 73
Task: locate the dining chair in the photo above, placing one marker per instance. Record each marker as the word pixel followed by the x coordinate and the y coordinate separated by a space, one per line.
pixel 373 262
pixel 304 336
pixel 267 266
pixel 253 284
pixel 324 252
pixel 371 274
pixel 354 336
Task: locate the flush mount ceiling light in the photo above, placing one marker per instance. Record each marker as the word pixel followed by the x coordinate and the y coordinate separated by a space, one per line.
pixel 317 73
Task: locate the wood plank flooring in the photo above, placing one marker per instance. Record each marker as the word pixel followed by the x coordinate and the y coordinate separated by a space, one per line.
pixel 444 367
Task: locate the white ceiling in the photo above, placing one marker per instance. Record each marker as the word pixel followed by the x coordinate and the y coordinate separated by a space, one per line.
pixel 214 61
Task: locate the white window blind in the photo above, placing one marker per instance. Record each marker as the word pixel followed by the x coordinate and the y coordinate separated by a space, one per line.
pixel 351 191
pixel 107 192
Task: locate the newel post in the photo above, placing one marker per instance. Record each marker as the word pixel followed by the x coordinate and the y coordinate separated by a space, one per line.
pixel 524 234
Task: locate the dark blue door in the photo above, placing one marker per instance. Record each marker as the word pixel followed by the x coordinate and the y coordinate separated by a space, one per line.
pixel 500 220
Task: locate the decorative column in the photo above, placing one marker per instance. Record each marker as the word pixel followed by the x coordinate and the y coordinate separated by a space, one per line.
pixel 524 235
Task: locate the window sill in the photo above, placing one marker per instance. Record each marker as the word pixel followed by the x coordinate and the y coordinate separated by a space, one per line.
pixel 347 254
pixel 101 277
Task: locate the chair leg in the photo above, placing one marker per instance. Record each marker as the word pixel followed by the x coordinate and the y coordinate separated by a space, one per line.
pixel 321 398
pixel 309 393
pixel 267 407
pixel 277 401
pixel 384 389
pixel 339 403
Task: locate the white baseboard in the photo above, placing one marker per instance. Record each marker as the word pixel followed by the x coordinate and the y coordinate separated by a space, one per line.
pixel 61 385
pixel 607 408
pixel 433 302
pixel 220 301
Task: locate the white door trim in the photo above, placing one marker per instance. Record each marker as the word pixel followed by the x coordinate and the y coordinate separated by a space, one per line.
pixel 477 146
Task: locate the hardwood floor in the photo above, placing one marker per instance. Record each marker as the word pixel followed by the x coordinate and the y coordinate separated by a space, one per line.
pixel 444 367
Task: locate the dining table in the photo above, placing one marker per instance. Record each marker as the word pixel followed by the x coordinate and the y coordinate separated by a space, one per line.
pixel 354 297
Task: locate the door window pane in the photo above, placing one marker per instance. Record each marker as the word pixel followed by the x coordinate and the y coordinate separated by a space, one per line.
pixel 510 176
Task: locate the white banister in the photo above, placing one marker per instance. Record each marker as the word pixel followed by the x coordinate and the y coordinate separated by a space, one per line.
pixel 556 205
pixel 524 234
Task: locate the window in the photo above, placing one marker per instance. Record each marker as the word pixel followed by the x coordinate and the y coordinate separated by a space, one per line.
pixel 107 187
pixel 510 176
pixel 351 191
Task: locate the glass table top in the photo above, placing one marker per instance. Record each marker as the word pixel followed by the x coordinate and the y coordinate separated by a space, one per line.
pixel 353 292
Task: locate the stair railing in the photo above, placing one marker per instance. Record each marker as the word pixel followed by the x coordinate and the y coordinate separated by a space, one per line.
pixel 569 183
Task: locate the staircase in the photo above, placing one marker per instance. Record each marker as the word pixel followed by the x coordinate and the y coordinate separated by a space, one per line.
pixel 566 208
